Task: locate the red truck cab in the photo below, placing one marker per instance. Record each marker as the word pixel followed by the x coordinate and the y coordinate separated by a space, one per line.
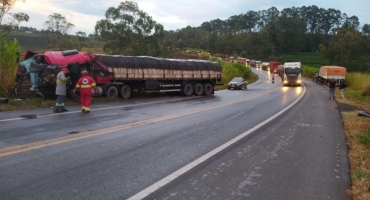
pixel 273 65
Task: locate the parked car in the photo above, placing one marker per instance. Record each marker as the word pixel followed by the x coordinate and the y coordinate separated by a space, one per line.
pixel 237 83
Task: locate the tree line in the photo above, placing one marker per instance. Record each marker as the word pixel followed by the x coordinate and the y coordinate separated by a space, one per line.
pixel 267 34
pixel 262 35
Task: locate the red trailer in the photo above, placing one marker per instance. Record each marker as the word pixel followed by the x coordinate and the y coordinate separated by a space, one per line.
pixel 273 65
pixel 241 60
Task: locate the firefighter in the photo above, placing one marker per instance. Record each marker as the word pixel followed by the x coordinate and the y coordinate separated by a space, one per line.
pixel 61 90
pixel 84 85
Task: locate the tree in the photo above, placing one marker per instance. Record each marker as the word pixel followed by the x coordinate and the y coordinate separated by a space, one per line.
pixel 56 27
pixel 18 18
pixel 366 29
pixel 346 49
pixel 5 6
pixel 81 40
pixel 58 23
pixel 128 30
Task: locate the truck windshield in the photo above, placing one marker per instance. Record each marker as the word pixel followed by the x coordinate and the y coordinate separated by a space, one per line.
pixel 292 70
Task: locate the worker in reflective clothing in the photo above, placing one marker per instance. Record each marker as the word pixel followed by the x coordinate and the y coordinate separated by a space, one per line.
pixel 85 84
pixel 61 90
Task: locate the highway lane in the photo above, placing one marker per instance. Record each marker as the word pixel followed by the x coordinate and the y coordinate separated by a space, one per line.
pixel 123 147
pixel 300 155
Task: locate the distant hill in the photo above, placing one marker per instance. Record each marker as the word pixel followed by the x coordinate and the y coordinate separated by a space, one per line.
pixel 30 41
pixel 37 42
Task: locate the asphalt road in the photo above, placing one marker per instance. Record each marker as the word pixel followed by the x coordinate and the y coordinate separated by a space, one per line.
pixel 266 142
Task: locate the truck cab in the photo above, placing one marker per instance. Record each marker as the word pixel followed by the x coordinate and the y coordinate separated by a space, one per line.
pixel 258 64
pixel 291 74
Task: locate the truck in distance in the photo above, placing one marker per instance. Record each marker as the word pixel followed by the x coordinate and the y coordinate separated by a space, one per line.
pixel 252 63
pixel 265 66
pixel 290 73
pixel 258 64
pixel 273 65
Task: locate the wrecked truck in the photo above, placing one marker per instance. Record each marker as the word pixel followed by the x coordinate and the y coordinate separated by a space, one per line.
pixel 326 73
pixel 117 76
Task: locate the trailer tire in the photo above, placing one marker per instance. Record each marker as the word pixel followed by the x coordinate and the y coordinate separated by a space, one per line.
pixel 198 89
pixel 125 91
pixel 188 89
pixel 208 89
pixel 112 92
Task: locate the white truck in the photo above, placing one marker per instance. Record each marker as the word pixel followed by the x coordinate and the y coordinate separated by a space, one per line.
pixel 290 73
pixel 258 64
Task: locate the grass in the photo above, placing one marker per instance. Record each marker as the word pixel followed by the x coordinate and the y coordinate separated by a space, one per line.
pixel 357 132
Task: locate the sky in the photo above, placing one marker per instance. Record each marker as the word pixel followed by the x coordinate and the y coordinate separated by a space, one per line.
pixel 172 14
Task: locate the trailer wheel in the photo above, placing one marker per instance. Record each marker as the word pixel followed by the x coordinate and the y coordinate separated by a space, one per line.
pixel 187 90
pixel 208 89
pixel 198 89
pixel 125 91
pixel 112 92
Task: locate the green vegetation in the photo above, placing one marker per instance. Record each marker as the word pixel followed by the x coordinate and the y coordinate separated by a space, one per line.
pixel 360 82
pixel 138 33
pixel 357 133
pixel 231 70
pixel 347 48
pixel 365 138
pixel 8 65
pixel 311 59
pixel 308 71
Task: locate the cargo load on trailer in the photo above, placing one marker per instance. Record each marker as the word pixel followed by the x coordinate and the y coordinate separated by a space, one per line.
pixel 252 63
pixel 241 60
pixel 117 75
pixel 265 66
pixel 290 73
pixel 326 73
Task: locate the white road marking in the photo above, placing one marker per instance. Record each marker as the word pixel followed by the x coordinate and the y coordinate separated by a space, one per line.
pixel 156 186
pixel 106 108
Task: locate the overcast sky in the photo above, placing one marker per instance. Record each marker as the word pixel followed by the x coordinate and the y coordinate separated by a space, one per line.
pixel 173 14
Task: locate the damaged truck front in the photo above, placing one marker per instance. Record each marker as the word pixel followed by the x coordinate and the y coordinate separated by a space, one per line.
pixel 36 75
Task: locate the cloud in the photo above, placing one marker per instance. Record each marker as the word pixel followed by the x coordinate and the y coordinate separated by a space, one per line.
pixel 173 14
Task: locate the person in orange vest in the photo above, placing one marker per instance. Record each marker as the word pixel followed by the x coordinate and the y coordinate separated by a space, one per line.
pixel 84 85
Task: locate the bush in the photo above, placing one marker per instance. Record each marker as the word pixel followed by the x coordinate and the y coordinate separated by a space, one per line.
pixel 204 56
pixel 309 71
pixel 8 64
